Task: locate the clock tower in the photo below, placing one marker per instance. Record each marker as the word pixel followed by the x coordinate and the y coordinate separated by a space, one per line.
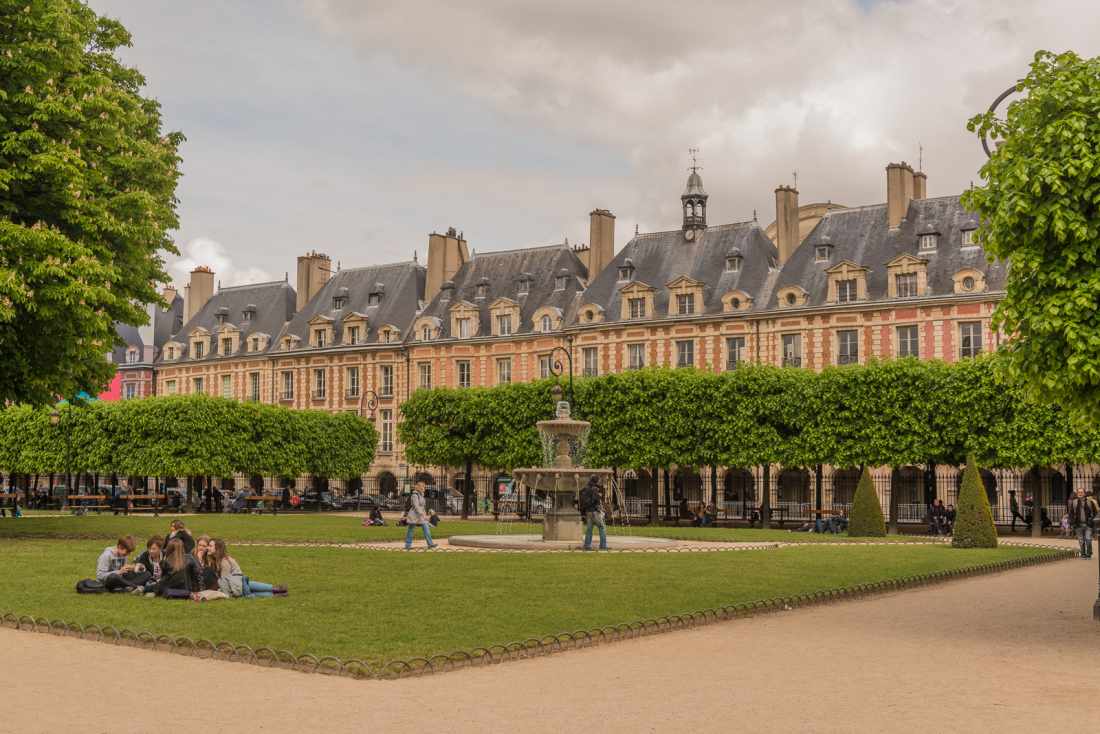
pixel 694 201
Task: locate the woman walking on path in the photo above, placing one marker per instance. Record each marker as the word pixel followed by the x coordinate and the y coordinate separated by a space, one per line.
pixel 415 514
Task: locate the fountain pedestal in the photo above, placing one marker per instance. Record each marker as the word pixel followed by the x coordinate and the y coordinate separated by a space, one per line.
pixel 561 480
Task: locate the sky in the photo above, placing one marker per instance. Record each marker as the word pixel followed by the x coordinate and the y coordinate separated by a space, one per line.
pixel 358 127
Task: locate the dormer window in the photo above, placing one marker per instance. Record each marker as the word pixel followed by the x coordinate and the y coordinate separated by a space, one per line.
pixel 463 328
pixel 846 291
pixel 197 350
pixel 227 346
pixel 733 263
pixel 249 313
pixel 352 334
pixel 626 271
pixel 339 302
pixel 560 282
pixel 254 344
pixel 222 317
pixel 928 242
pixel 524 286
pixel 319 337
pixel 547 325
pixel 685 304
pixel 426 334
pixel 821 253
pixel 374 299
pixel 483 289
pixel 968 238
pixel 504 325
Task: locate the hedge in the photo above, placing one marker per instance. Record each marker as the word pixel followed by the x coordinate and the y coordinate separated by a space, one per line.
pixel 895 413
pixel 186 436
pixel 865 519
pixel 973 519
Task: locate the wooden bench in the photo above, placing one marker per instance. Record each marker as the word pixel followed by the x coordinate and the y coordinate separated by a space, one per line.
pixel 275 500
pixel 95 502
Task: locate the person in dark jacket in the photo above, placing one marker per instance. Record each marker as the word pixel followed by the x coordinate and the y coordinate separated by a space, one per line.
pixel 1082 512
pixel 937 518
pixel 591 507
pixel 183 576
pixel 1014 506
pixel 177 530
pixel 153 561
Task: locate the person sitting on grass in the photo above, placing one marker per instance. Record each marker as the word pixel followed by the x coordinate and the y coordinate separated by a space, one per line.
pixel 113 560
pixel 232 581
pixel 153 561
pixel 202 547
pixel 177 530
pixel 375 517
pixel 182 576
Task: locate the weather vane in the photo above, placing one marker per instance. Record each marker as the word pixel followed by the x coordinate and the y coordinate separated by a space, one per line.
pixel 694 163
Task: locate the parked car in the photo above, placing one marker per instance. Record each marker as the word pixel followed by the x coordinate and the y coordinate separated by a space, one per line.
pixel 358 502
pixel 320 501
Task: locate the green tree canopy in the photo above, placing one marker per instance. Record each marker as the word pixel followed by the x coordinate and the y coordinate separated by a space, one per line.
pixel 87 197
pixel 1040 209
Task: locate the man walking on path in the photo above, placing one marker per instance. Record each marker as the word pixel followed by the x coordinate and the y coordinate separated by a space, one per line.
pixel 415 514
pixel 1014 505
pixel 591 506
pixel 1082 512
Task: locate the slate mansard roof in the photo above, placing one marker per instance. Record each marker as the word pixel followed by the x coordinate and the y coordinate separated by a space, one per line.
pixel 862 236
pixel 502 272
pixel 274 305
pixel 661 257
pixel 401 291
pixel 149 339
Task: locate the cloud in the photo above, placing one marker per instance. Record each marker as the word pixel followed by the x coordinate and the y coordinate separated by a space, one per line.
pixel 205 251
pixel 834 89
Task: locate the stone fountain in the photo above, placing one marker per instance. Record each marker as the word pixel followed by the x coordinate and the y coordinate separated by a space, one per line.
pixel 562 439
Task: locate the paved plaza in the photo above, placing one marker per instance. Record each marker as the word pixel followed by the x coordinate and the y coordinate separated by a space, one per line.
pixel 1016 651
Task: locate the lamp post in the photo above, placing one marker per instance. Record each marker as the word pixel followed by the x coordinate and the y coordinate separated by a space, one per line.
pixel 557 368
pixel 368 399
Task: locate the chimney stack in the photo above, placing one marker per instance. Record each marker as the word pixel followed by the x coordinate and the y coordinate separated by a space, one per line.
pixel 199 290
pixel 601 241
pixel 314 270
pixel 446 254
pixel 899 192
pixel 920 185
pixel 786 221
pixel 169 294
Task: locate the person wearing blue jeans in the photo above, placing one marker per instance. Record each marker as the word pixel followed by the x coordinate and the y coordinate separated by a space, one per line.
pixel 257 588
pixel 1082 512
pixel 415 514
pixel 591 505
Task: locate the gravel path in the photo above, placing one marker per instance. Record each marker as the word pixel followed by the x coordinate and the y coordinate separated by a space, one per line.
pixel 1017 651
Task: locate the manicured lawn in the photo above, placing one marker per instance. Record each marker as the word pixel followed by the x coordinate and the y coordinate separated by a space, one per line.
pixel 381 605
pixel 345 528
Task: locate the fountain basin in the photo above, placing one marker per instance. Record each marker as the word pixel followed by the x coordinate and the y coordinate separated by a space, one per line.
pixel 562 484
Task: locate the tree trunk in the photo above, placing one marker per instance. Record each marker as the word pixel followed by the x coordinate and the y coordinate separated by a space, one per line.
pixel 893 527
pixel 467 490
pixel 766 498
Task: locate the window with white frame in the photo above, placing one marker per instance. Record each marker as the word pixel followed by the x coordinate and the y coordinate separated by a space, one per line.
pixel 846 290
pixel 424 372
pixel 197 385
pixel 970 339
pixel 319 337
pixel 197 350
pixel 131 356
pixel 792 350
pixel 821 253
pixel 319 382
pixel 635 356
pixel 928 242
pixel 353 334
pixel 170 387
pixel 385 436
pixel 637 308
pixel 908 341
pixel 906 284
pixel 685 353
pixel 545 362
pixel 547 324
pixel 254 386
pixel 735 347
pixel 504 324
pixel 463 328
pixel 352 381
pixel 685 304
pixel 847 346
pixel 385 380
pixel 288 385
pixel 374 299
pixel 968 238
pixel 504 370
pixel 227 386
pixel 426 333
pixel 227 346
pixel 591 357
pixel 626 272
pixel 463 368
pixel 560 282
pixel 131 391
pixel 733 264
pixel 524 287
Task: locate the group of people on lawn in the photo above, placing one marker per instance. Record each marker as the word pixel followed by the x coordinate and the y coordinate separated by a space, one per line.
pixel 178 566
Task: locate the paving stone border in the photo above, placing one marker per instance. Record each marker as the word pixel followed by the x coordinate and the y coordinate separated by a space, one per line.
pixel 517 650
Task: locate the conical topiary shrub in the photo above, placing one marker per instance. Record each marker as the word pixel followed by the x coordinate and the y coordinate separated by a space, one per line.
pixel 866 519
pixel 973 519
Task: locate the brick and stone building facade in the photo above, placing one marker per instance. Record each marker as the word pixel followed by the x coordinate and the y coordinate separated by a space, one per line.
pixel 823 285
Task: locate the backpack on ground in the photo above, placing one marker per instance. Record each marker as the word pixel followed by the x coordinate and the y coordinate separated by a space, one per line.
pixel 90 586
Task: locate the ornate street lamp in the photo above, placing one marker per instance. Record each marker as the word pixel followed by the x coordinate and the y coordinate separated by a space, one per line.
pixel 369 400
pixel 557 368
pixel 996 103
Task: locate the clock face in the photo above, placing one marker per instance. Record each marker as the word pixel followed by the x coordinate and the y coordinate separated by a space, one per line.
pixel 689 235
